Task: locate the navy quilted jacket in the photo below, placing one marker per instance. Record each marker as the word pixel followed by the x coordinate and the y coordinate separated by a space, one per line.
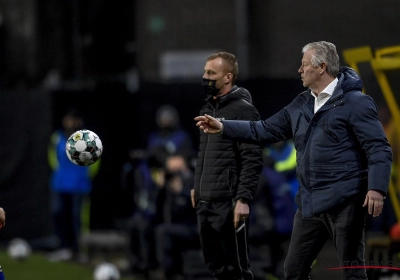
pixel 341 150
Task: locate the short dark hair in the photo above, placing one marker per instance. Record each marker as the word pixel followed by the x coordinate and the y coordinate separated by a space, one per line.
pixel 230 61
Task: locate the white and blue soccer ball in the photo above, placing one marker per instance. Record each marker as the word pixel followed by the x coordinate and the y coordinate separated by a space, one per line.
pixel 106 271
pixel 19 249
pixel 84 147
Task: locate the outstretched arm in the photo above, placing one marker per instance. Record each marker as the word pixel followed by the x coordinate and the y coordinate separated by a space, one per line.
pixel 273 129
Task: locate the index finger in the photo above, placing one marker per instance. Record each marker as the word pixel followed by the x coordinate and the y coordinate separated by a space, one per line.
pixel 209 117
pixel 199 118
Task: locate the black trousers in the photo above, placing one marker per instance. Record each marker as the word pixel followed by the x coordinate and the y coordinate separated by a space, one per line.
pixel 224 248
pixel 345 225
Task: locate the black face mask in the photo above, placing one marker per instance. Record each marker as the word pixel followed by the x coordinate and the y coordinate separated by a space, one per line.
pixel 209 87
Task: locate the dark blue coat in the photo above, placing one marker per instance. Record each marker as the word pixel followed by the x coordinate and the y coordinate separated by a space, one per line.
pixel 341 150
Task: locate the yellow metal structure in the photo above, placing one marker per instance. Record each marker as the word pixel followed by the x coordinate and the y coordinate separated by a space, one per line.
pixel 357 55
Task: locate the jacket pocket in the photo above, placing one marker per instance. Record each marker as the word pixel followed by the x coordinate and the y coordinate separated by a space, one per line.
pixel 322 176
pixel 330 168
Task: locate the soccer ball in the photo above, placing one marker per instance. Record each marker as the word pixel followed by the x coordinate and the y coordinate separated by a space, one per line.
pixel 84 147
pixel 106 271
pixel 19 249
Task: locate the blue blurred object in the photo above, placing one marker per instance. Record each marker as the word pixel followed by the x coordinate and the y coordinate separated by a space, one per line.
pixel 2 274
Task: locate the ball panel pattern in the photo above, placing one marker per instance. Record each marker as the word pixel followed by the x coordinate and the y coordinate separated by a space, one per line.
pixel 84 147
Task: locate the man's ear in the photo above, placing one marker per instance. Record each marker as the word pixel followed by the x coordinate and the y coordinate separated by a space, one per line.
pixel 322 68
pixel 228 78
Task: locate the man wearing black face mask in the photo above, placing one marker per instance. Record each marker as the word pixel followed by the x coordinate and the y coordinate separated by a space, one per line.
pixel 226 174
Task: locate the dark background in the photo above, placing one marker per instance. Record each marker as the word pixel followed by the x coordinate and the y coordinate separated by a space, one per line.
pixel 104 57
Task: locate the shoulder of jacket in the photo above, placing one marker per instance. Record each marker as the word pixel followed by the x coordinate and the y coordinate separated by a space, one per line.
pixel 354 94
pixel 243 103
pixel 239 106
pixel 357 96
pixel 360 102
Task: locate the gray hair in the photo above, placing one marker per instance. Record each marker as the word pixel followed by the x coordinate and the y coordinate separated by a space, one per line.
pixel 324 52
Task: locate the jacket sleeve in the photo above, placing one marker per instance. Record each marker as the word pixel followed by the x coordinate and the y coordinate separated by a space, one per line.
pixel 271 130
pixel 369 132
pixel 251 162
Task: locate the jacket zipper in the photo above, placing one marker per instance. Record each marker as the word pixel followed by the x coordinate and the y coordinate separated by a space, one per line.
pixel 330 101
pixel 204 159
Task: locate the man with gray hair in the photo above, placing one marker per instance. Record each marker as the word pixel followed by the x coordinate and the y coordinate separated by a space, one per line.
pixel 343 160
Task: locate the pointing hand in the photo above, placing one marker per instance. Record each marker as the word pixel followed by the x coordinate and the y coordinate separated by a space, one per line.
pixel 209 124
